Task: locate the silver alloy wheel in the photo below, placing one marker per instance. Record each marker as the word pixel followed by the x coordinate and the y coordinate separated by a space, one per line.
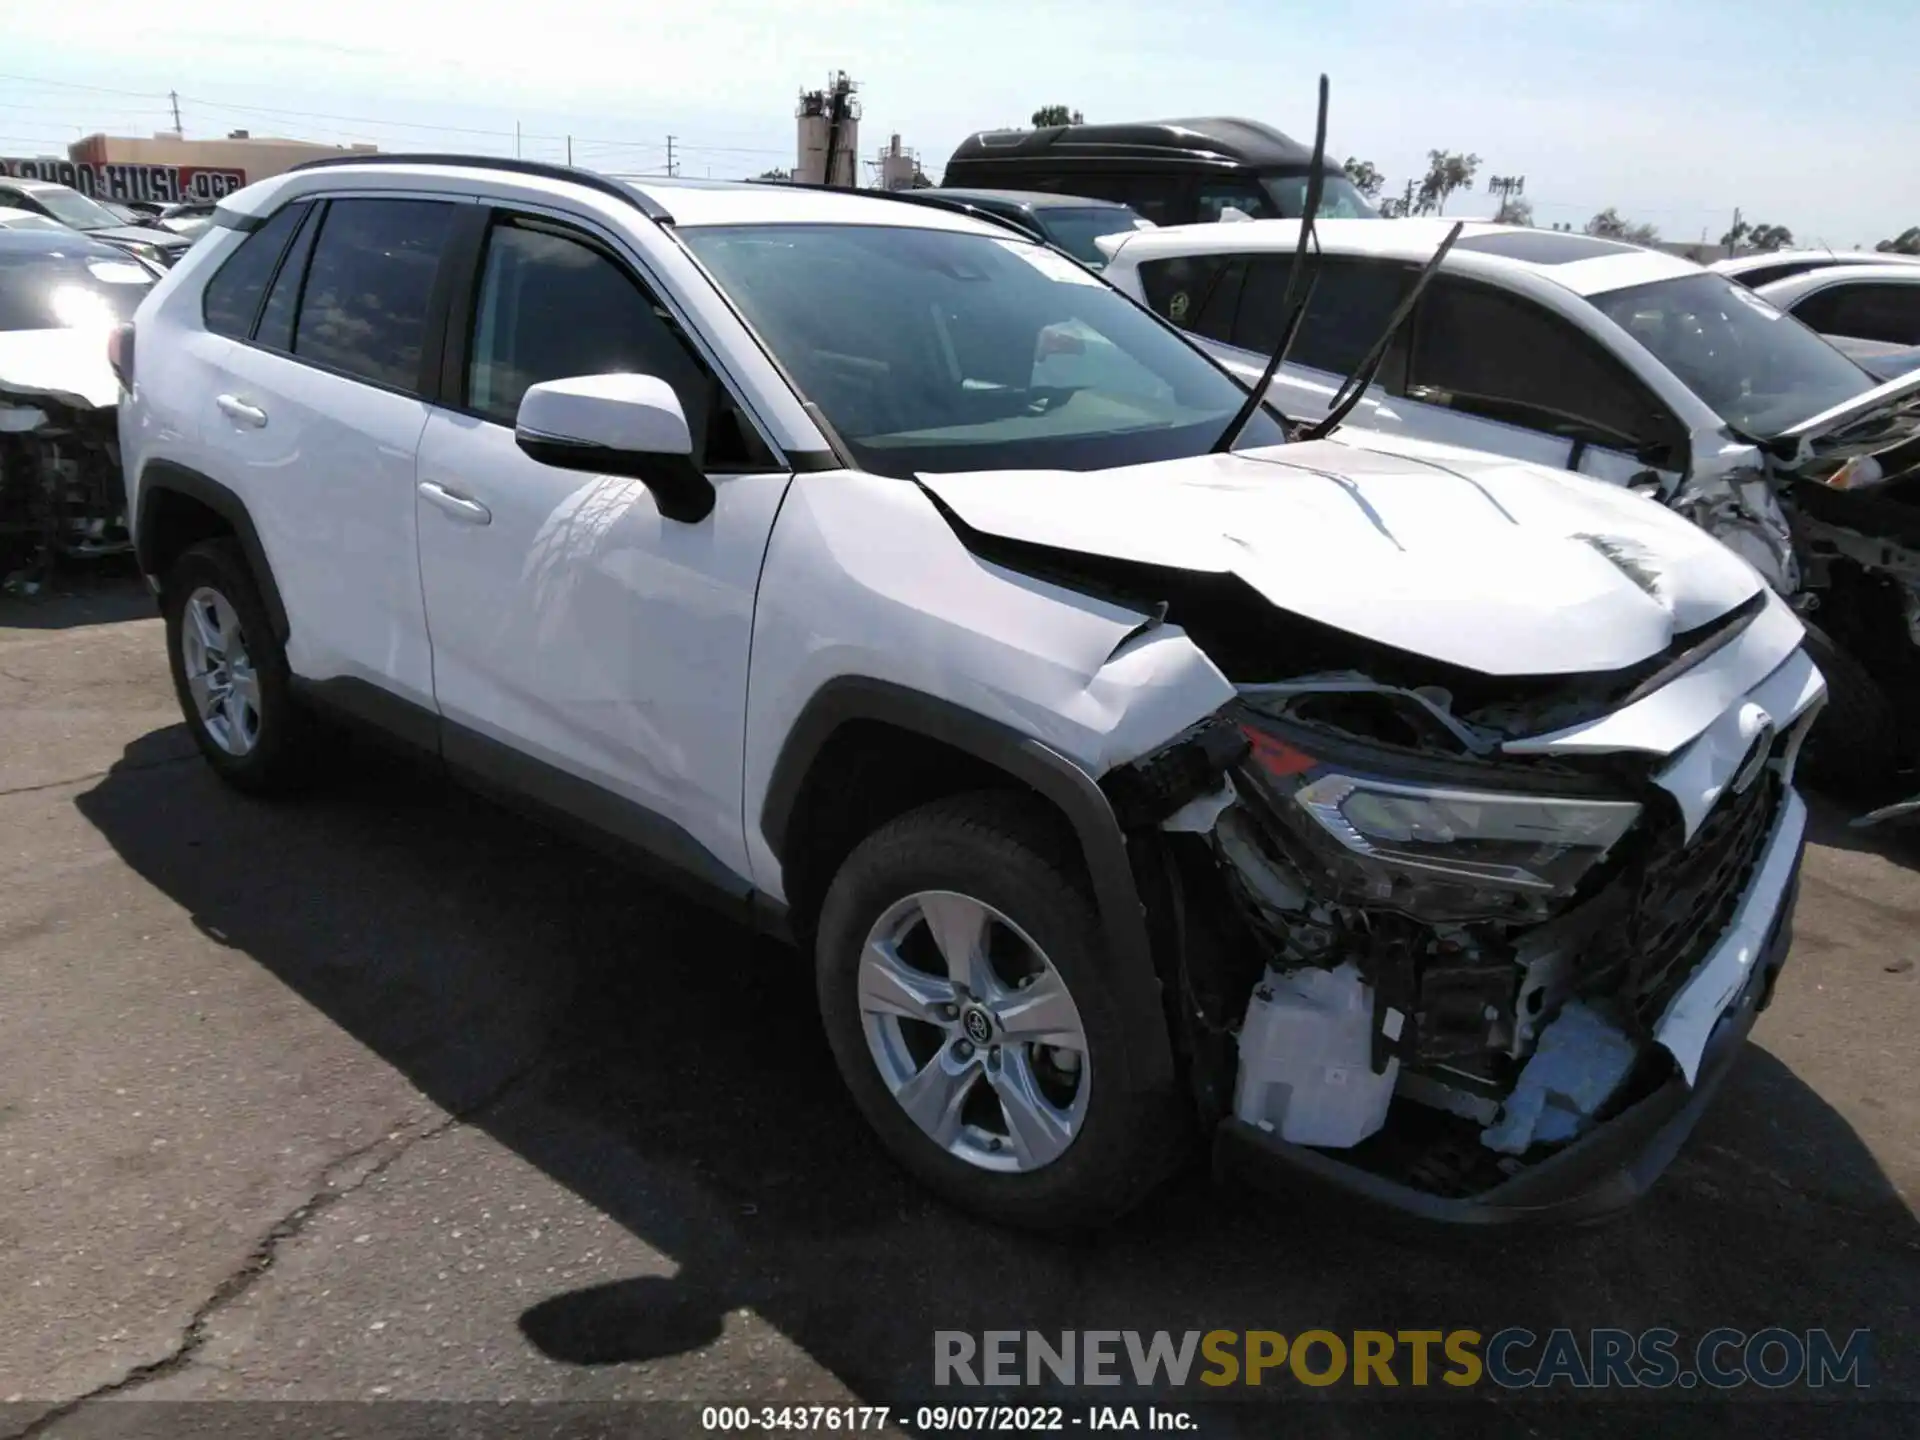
pixel 220 673
pixel 974 1032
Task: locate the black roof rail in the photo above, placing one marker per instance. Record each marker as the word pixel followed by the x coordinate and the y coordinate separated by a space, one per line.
pixel 915 197
pixel 642 202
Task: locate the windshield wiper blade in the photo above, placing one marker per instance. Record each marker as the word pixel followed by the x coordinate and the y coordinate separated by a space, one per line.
pixel 1297 293
pixel 1354 388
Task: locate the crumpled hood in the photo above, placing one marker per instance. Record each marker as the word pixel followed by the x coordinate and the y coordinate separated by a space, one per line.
pixel 68 365
pixel 1495 565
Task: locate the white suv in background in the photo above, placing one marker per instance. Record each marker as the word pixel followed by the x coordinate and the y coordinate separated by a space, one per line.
pixel 1124 769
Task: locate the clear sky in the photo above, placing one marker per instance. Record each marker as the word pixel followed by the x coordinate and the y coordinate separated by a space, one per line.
pixel 1674 111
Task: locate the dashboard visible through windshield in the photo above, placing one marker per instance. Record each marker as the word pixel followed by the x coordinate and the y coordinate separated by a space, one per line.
pixel 932 350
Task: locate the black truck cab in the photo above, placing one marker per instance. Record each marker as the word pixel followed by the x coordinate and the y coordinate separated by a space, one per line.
pixel 1172 172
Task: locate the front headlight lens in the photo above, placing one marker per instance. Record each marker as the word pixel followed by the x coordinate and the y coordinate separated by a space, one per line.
pixel 1533 843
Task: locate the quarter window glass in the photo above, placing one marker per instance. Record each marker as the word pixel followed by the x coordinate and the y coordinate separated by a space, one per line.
pixel 364 311
pixel 1350 307
pixel 275 329
pixel 1199 293
pixel 1217 197
pixel 233 295
pixel 553 307
pixel 1487 353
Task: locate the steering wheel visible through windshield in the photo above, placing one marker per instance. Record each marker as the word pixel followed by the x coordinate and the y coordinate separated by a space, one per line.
pixel 1761 371
pixel 933 350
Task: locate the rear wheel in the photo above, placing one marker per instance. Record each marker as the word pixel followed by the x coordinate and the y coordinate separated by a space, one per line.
pixel 1854 748
pixel 961 985
pixel 230 672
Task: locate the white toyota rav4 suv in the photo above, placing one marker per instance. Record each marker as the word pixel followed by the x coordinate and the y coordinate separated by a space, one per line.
pixel 1421 825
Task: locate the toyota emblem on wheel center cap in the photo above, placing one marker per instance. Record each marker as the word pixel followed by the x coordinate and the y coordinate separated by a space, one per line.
pixel 978 1025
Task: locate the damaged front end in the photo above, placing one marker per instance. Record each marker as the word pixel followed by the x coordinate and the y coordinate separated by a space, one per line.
pixel 60 491
pixel 1474 984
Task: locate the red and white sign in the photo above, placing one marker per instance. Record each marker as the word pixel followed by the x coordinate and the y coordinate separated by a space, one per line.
pixel 162 184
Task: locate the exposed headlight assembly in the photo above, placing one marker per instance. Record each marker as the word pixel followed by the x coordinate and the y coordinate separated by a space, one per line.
pixel 1435 850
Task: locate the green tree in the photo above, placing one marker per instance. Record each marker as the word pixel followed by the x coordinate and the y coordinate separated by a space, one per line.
pixel 1907 242
pixel 1608 225
pixel 1048 115
pixel 1514 212
pixel 1365 178
pixel 774 174
pixel 1769 237
pixel 1733 238
pixel 1446 173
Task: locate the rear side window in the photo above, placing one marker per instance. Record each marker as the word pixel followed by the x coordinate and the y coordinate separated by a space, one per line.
pixel 364 309
pixel 1499 356
pixel 232 298
pixel 1865 311
pixel 1352 302
pixel 275 329
pixel 1163 199
pixel 1199 293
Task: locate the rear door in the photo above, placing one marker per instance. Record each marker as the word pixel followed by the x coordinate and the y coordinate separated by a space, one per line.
pixel 319 416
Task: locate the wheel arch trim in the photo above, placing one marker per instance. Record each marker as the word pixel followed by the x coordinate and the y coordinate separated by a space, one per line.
pixel 162 476
pixel 1042 769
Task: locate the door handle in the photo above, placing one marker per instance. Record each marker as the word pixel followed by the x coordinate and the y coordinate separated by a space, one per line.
pixel 460 507
pixel 234 408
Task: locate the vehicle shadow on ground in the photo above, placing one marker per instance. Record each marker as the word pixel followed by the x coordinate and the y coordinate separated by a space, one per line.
pixel 668 1068
pixel 103 594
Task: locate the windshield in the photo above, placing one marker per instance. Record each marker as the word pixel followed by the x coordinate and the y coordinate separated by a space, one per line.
pixel 1075 230
pixel 1339 200
pixel 1762 372
pixel 27 220
pixel 57 289
pixel 934 350
pixel 73 209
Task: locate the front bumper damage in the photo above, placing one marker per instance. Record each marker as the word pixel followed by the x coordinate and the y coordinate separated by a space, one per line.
pixel 1459 1064
pixel 61 496
pixel 1618 1161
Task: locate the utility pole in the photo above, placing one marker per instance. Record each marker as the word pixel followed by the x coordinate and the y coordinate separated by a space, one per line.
pixel 673 166
pixel 516 139
pixel 1733 235
pixel 569 150
pixel 178 133
pixel 1406 201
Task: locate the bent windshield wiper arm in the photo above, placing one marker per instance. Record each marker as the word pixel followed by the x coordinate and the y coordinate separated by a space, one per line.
pixel 1355 386
pixel 1294 308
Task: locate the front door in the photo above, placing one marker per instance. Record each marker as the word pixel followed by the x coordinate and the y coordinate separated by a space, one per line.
pixel 581 638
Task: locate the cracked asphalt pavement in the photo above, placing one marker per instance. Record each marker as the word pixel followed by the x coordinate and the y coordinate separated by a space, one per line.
pixel 388 1095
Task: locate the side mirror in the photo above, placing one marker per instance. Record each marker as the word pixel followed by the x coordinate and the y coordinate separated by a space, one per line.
pixel 617 425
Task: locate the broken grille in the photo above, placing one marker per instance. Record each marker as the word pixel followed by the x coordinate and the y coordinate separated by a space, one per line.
pixel 1680 899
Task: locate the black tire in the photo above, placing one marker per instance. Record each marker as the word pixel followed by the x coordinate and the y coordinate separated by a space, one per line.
pixel 1000 849
pixel 1854 748
pixel 281 757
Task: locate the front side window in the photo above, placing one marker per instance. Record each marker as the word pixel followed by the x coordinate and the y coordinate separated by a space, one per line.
pixel 232 297
pixel 364 311
pixel 1864 310
pixel 1215 198
pixel 555 306
pixel 1503 357
pixel 933 350
pixel 1757 369
pixel 1339 200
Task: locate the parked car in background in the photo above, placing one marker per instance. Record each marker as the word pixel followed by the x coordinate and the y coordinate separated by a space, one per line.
pixel 1766 266
pixel 1172 172
pixel 1586 354
pixel 1877 357
pixel 61 294
pixel 81 212
pixel 12 217
pixel 1861 302
pixel 189 218
pixel 1070 222
pixel 744 523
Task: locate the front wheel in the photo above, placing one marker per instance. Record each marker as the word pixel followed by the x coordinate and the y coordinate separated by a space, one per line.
pixel 961 984
pixel 1853 750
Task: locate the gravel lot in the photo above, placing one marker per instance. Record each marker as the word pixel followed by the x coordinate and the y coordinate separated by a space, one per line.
pixel 387 1095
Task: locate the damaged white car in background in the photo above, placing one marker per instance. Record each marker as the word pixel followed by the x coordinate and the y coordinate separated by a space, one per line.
pixel 61 294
